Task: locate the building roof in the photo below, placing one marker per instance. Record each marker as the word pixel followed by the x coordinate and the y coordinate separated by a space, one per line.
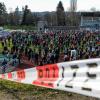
pixel 90 14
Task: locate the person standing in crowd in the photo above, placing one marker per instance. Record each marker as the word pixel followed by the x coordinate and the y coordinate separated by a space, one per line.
pixel 4 66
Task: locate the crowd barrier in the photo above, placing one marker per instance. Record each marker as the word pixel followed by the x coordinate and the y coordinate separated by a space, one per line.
pixel 82 77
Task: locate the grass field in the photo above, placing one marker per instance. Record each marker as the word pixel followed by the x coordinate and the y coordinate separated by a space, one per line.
pixel 22 27
pixel 16 91
pixel 28 90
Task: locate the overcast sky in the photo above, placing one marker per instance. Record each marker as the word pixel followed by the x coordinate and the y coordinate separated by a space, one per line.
pixel 50 5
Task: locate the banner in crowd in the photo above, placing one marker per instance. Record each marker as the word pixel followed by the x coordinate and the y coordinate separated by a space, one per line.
pixel 82 77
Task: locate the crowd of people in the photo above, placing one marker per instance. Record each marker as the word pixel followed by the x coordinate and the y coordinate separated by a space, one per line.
pixel 51 47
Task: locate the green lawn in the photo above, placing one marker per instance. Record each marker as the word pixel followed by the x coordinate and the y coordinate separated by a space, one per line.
pixel 24 27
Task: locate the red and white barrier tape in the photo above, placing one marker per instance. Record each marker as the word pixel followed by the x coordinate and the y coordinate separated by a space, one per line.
pixel 81 77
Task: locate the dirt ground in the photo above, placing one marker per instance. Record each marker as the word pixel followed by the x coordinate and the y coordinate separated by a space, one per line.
pixel 17 91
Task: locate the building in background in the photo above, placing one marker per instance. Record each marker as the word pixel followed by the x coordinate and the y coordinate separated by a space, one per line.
pixel 90 20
